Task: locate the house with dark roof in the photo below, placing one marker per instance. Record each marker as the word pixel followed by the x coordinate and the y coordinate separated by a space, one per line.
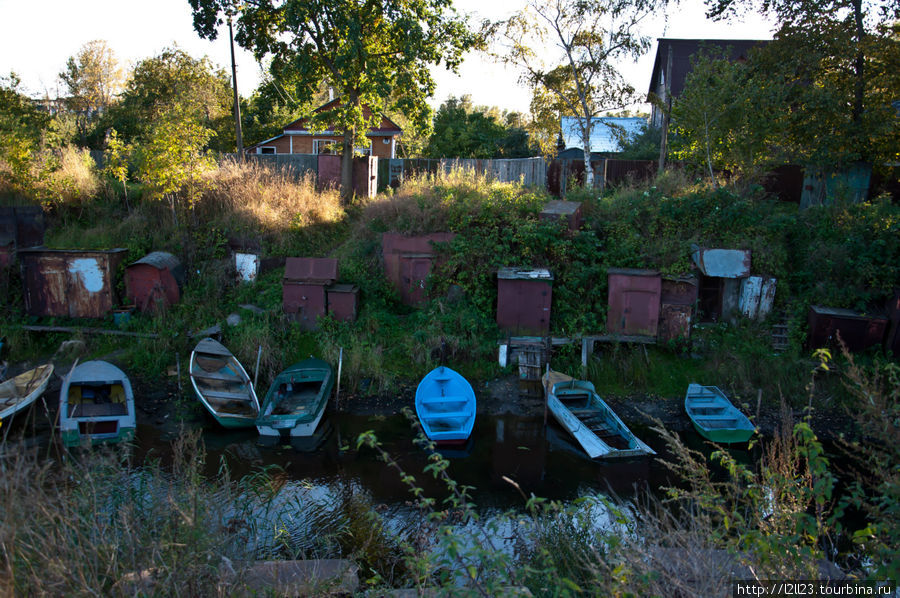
pixel 674 61
pixel 298 138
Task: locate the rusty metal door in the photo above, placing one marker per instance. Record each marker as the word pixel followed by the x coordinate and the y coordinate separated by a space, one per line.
pixel 634 299
pixel 414 271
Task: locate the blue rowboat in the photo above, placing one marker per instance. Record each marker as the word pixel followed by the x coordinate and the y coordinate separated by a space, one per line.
pixel 445 405
pixel 296 399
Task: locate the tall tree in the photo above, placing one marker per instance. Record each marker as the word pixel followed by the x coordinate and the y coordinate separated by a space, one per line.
pixel 369 50
pixel 175 80
pixel 587 39
pixel 835 59
pixel 93 77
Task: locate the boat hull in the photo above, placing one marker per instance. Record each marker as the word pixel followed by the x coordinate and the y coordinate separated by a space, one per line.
pixel 296 400
pixel 96 406
pixel 446 406
pixel 222 385
pixel 20 392
pixel 714 417
pixel 577 407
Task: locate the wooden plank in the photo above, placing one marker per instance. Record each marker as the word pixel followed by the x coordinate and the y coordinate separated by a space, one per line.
pixel 217 376
pixel 73 330
pixel 222 394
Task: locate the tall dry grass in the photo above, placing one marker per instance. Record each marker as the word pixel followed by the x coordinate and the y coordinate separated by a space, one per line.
pixel 248 195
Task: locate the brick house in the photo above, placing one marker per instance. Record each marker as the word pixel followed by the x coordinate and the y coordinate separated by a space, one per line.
pixel 298 139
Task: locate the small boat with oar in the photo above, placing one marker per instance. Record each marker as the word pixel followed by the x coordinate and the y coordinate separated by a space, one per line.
pixel 296 400
pixel 96 405
pixel 445 405
pixel 222 385
pixel 578 408
pixel 714 417
pixel 20 391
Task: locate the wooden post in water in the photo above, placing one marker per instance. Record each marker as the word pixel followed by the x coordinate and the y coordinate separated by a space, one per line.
pixel 547 394
pixel 337 392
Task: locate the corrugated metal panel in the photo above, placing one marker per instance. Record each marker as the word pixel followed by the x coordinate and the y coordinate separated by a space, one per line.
pixel 675 322
pixel 634 301
pixel 516 273
pixel 722 263
pixel 61 282
pixel 679 291
pixel 858 331
pixel 311 269
pixel 757 297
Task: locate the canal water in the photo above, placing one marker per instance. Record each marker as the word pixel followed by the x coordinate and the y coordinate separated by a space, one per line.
pixel 541 459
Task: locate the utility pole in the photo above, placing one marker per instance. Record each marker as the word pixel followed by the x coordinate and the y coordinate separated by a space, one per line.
pixel 237 104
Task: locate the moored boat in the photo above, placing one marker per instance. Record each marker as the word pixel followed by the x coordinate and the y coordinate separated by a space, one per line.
pixel 223 385
pixel 445 405
pixel 714 417
pixel 96 405
pixel 20 391
pixel 296 400
pixel 578 408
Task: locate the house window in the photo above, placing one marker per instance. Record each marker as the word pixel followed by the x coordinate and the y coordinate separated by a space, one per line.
pixel 363 151
pixel 267 150
pixel 322 146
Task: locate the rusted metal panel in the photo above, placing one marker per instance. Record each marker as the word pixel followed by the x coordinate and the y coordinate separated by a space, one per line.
pixel 343 301
pixel 311 269
pixel 74 283
pixel 524 300
pixel 634 301
pixel 329 171
pixel 246 265
pixel 858 331
pixel 365 176
pixel 570 211
pixel 679 291
pixel 675 322
pixel 408 262
pixel 722 263
pixel 305 302
pixel 154 281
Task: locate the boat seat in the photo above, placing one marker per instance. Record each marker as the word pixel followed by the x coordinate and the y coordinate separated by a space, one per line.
pixel 217 376
pixel 437 415
pixel 223 394
pixel 444 400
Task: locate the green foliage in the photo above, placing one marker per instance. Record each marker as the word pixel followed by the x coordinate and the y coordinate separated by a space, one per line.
pixel 642 146
pixel 21 124
pixel 465 131
pixel 368 52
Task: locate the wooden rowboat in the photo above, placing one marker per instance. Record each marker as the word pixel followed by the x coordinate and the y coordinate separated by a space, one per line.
pixel 222 385
pixel 19 392
pixel 578 408
pixel 445 405
pixel 296 399
pixel 714 417
pixel 96 405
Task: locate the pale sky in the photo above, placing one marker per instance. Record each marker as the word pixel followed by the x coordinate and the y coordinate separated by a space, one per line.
pixel 37 36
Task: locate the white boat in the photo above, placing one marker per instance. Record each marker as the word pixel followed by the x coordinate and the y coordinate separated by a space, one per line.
pixel 223 385
pixel 578 408
pixel 19 392
pixel 96 405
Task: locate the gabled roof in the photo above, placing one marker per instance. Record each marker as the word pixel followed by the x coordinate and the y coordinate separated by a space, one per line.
pixel 683 51
pixel 385 128
pixel 605 131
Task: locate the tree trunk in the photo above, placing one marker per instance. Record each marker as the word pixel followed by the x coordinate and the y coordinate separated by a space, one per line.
pixel 712 176
pixel 586 142
pixel 347 166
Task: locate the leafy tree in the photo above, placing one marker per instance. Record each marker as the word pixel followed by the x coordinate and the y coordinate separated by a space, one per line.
pixel 589 38
pixel 464 131
pixel 369 51
pixel 173 157
pixel 93 79
pixel 175 81
pixel 21 126
pixel 642 146
pixel 117 157
pixel 836 62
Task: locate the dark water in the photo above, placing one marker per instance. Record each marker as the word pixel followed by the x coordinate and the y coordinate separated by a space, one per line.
pixel 541 460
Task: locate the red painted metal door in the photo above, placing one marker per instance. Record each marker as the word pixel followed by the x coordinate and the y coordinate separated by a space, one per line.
pixel 413 273
pixel 633 302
